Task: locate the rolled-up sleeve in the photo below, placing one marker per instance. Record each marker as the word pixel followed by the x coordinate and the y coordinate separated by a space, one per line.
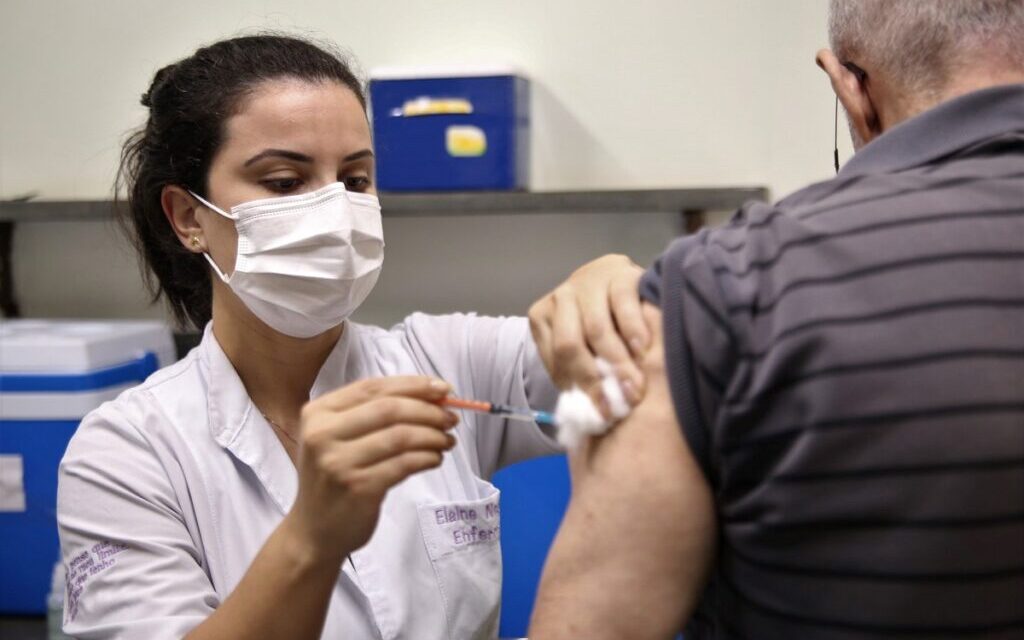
pixel 700 345
pixel 134 569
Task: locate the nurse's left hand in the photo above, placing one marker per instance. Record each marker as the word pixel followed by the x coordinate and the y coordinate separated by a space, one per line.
pixel 595 313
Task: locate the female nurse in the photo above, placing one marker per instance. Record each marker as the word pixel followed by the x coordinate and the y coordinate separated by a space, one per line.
pixel 294 475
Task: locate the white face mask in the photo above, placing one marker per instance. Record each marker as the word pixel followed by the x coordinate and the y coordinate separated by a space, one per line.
pixel 305 263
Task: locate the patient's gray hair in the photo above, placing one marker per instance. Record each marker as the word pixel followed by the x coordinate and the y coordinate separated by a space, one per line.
pixel 920 44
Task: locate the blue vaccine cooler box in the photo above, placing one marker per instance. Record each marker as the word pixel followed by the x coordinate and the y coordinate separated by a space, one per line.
pixel 52 373
pixel 451 130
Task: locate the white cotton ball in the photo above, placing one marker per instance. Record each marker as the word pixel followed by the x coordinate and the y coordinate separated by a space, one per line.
pixel 612 390
pixel 577 417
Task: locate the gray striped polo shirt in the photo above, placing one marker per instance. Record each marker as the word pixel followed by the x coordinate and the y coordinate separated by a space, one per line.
pixel 848 369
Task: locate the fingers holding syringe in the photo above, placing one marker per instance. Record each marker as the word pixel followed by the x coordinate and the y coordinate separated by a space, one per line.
pixel 357 442
pixel 374 416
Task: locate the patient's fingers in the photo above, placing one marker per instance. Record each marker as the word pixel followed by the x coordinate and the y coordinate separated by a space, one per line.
pixel 604 341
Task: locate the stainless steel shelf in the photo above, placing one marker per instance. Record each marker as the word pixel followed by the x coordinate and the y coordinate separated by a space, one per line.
pixel 690 204
pixel 638 201
pixel 458 203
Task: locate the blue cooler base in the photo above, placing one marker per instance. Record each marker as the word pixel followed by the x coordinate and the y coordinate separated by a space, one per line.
pixel 534 495
pixel 28 540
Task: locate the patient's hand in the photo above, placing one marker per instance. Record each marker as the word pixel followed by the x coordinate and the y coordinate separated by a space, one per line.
pixel 595 313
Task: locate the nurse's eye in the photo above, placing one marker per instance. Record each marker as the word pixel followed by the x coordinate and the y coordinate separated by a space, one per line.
pixel 282 185
pixel 357 183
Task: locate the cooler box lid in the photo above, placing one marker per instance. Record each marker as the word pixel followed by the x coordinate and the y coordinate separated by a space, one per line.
pixel 445 71
pixel 54 370
pixel 74 346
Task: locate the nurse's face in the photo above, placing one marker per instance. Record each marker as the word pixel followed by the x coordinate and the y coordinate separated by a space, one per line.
pixel 288 137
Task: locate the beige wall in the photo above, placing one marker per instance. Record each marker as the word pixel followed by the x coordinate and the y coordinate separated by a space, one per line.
pixel 643 94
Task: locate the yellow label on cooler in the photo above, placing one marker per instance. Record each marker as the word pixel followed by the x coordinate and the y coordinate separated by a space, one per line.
pixel 465 141
pixel 424 106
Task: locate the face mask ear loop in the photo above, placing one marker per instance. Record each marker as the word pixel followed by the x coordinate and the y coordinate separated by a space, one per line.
pixel 220 274
pixel 216 269
pixel 210 205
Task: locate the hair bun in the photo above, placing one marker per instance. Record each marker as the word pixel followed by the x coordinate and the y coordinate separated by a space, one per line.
pixel 160 78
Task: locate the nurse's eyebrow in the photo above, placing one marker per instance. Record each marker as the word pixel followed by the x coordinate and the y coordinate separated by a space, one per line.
pixel 357 155
pixel 301 157
pixel 279 153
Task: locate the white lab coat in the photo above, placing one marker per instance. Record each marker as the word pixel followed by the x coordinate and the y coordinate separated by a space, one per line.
pixel 167 493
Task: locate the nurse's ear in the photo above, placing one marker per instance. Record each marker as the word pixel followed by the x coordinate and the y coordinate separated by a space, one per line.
pixel 180 209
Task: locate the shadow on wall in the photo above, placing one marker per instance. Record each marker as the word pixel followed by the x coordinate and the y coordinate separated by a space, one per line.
pixel 499 264
pixel 78 270
pixel 493 264
pixel 561 146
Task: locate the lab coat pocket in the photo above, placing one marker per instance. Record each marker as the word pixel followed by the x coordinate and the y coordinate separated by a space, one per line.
pixel 463 540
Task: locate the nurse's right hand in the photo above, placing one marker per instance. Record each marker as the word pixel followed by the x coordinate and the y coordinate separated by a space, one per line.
pixel 356 443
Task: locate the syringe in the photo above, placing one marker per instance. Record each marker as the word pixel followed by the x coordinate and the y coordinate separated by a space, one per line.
pixel 512 413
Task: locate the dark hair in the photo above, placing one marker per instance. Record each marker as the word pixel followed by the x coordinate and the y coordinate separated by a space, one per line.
pixel 189 102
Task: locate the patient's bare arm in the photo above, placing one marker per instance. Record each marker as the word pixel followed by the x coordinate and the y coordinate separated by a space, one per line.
pixel 637 541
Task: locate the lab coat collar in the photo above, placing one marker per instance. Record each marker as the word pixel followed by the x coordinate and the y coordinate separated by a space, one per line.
pixel 237 425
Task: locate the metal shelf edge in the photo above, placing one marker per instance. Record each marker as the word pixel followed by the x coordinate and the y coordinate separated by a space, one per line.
pixel 458 203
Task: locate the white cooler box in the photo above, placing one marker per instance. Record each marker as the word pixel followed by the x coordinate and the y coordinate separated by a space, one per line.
pixel 52 373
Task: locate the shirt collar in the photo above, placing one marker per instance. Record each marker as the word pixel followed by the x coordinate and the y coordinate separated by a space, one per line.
pixel 942 131
pixel 237 425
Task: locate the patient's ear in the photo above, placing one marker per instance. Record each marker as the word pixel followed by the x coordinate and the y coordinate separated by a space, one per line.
pixel 851 88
